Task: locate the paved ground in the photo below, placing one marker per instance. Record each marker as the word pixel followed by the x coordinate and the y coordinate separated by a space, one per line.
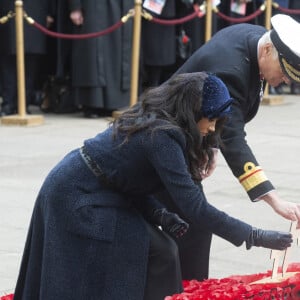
pixel 28 153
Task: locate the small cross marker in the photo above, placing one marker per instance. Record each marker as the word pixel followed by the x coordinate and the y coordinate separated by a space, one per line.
pixel 277 255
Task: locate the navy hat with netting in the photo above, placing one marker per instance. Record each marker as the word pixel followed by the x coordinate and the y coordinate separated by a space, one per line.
pixel 216 100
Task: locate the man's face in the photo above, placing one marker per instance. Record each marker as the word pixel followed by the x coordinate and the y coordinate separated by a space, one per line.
pixel 270 67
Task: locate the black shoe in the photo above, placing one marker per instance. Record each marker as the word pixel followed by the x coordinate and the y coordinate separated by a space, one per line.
pixel 295 89
pixel 103 112
pixel 7 112
pixel 276 90
pixel 91 114
pixel 279 90
pixel 94 113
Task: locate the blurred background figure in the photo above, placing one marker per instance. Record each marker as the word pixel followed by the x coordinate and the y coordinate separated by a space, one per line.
pixel 35 50
pixel 189 35
pixel 166 47
pixel 158 44
pixel 56 93
pixel 100 67
pixel 239 9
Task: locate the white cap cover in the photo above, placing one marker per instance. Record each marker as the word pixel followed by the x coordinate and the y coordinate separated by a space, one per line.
pixel 286 39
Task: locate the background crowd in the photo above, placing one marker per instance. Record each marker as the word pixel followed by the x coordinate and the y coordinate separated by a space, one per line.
pixel 93 75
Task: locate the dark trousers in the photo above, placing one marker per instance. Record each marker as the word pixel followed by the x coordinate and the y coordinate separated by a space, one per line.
pixel 163 272
pixel 194 246
pixel 8 77
pixel 194 249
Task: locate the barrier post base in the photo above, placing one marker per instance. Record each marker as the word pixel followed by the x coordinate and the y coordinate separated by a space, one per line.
pixel 27 120
pixel 272 100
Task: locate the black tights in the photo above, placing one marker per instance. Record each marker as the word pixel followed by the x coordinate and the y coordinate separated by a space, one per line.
pixel 193 247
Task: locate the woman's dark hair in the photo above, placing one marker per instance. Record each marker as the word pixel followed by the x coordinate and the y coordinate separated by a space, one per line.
pixel 179 101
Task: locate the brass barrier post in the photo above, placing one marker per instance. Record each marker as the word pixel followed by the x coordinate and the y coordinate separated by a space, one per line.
pixel 208 20
pixel 270 99
pixel 135 56
pixel 268 14
pixel 136 51
pixel 20 59
pixel 21 118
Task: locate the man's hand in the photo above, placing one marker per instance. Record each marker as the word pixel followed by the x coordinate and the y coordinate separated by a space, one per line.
pixel 286 209
pixel 49 21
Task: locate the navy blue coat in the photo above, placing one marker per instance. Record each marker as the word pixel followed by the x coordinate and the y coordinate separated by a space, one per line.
pixel 231 54
pixel 87 241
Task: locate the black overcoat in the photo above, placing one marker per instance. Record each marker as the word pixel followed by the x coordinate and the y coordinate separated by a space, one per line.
pixel 231 54
pixel 294 4
pixel 159 41
pixel 34 40
pixel 60 49
pixel 103 63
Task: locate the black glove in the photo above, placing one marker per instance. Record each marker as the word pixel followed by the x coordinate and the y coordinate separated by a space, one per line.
pixel 275 240
pixel 169 222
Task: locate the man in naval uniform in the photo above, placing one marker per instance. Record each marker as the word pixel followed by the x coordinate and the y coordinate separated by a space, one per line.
pixel 245 57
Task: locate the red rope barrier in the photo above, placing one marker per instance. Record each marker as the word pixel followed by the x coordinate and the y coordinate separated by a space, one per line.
pixel 241 19
pixel 77 36
pixel 176 21
pixel 288 10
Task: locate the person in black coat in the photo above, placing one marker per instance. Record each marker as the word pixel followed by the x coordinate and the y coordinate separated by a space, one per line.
pixel 34 47
pixel 158 46
pixel 244 56
pixel 93 233
pixel 294 4
pixel 101 67
pixel 58 49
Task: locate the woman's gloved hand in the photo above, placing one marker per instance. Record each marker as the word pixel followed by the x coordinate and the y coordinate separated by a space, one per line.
pixel 169 222
pixel 275 240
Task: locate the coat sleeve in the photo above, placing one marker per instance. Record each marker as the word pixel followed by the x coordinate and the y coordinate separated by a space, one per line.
pixel 240 158
pixel 165 152
pixel 147 206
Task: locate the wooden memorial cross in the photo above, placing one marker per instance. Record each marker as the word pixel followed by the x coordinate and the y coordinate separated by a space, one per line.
pixel 284 255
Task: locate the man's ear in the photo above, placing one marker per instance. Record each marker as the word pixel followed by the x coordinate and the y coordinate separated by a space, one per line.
pixel 267 49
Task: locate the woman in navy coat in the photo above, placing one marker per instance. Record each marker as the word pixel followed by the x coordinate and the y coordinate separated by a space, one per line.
pixel 90 235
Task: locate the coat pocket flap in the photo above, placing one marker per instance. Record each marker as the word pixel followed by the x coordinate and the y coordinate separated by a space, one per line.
pixel 95 222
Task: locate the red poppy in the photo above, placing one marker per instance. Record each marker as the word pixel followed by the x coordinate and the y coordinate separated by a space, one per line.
pixel 7 297
pixel 240 287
